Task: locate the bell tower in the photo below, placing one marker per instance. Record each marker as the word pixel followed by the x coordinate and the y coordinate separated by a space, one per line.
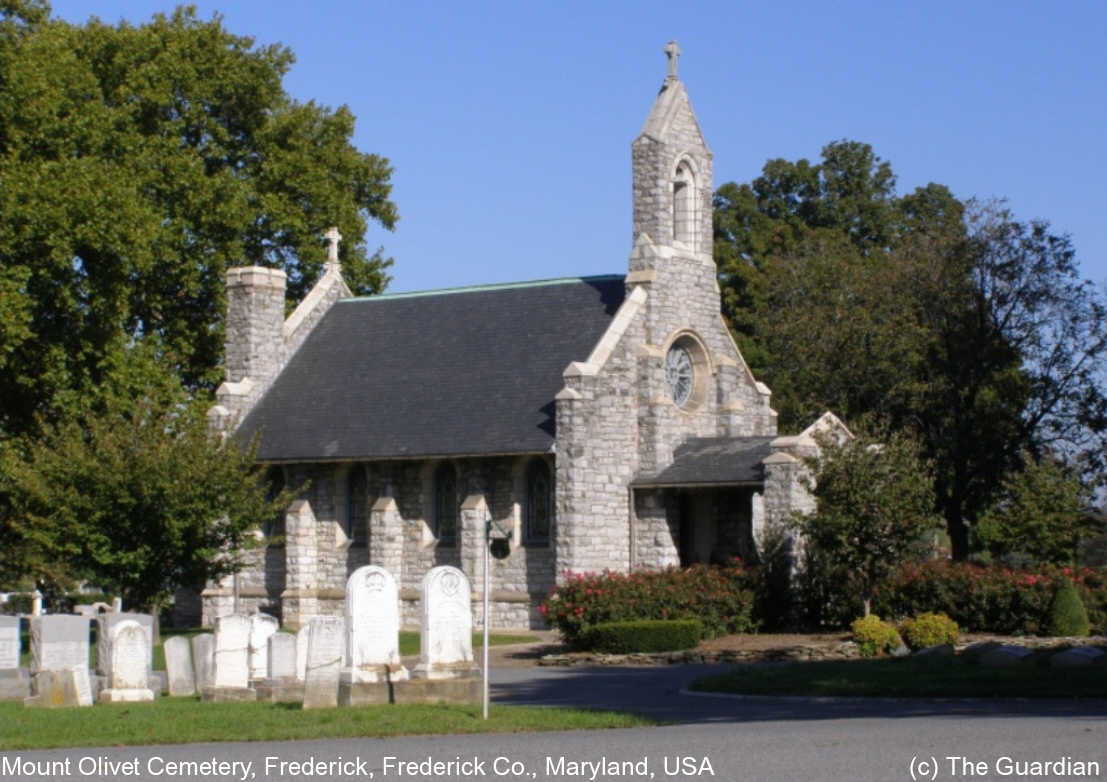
pixel 672 175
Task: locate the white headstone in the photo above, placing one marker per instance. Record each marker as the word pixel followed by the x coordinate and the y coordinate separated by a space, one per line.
pixel 262 626
pixel 178 664
pixel 105 625
pixel 36 603
pixel 203 660
pixel 82 684
pixel 9 642
pixel 301 650
pixel 232 642
pixel 446 639
pixel 128 680
pixel 58 642
pixel 61 687
pixel 373 626
pixel 324 662
pixel 117 605
pixel 282 656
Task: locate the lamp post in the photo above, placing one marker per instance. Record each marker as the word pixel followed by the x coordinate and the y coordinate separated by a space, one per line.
pixel 499 548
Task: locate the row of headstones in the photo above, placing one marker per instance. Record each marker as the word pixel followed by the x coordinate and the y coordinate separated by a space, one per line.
pixel 59 657
pixel 362 647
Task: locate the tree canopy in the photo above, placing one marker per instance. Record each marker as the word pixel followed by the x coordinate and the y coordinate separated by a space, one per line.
pixel 136 496
pixel 875 505
pixel 953 321
pixel 140 162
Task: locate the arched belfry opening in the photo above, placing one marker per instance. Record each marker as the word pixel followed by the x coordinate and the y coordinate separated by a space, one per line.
pixel 684 205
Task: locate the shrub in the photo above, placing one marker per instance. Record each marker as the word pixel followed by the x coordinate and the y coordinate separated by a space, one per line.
pixel 720 597
pixel 1066 613
pixel 928 630
pixel 988 599
pixel 874 635
pixel 644 635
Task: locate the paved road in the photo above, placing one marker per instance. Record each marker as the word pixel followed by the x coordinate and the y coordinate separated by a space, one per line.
pixel 712 738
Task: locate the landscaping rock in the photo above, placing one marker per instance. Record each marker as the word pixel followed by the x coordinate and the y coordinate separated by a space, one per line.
pixel 1077 657
pixel 940 652
pixel 1005 655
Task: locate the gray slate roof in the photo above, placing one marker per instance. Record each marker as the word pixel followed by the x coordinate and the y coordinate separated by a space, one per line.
pixel 713 461
pixel 464 371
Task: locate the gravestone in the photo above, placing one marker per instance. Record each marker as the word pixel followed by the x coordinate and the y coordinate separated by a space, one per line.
pixel 59 642
pixel 282 656
pixel 324 662
pixel 178 664
pixel 117 605
pixel 446 634
pixel 105 624
pixel 15 684
pixel 36 603
pixel 129 678
pixel 301 650
pixel 203 660
pixel 232 642
pixel 61 687
pixel 10 647
pixel 262 626
pixel 372 627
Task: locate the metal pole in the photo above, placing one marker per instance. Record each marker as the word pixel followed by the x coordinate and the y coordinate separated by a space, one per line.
pixel 487 581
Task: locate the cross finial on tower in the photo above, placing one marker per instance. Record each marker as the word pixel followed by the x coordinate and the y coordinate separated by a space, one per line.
pixel 672 51
pixel 333 237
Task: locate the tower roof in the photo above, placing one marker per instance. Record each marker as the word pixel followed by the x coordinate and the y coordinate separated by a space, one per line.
pixel 672 104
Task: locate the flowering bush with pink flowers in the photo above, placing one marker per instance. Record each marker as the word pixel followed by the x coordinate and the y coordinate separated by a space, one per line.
pixel 989 599
pixel 721 598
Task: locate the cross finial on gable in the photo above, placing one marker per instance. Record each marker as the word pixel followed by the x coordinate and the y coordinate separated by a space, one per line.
pixel 672 51
pixel 333 237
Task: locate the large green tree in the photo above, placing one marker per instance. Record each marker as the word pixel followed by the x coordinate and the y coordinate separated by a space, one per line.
pixel 875 507
pixel 137 164
pixel 955 322
pixel 134 494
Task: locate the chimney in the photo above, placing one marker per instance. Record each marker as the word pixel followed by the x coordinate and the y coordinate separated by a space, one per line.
pixel 255 325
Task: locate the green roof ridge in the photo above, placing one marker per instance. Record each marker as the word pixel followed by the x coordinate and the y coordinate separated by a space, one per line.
pixel 490 287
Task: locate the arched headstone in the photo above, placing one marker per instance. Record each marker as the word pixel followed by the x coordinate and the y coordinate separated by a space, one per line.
pixel 373 627
pixel 128 680
pixel 446 639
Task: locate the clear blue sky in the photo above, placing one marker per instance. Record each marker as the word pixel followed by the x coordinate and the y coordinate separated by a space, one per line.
pixel 509 123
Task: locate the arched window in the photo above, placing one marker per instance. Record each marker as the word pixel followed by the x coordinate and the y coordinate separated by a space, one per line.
pixel 274 485
pixel 684 205
pixel 539 504
pixel 357 506
pixel 445 504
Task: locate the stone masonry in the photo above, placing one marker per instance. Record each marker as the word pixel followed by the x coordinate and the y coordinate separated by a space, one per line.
pixel 617 419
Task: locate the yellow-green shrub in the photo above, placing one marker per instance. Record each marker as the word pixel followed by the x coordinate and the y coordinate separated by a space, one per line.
pixel 874 635
pixel 929 629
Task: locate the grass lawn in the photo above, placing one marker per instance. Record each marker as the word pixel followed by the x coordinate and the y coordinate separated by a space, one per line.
pixel 187 720
pixel 910 677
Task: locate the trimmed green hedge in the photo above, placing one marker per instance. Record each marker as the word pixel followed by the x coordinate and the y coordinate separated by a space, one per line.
pixel 644 635
pixel 721 598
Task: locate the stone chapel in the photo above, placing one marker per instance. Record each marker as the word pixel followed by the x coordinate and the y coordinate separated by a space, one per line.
pixel 605 422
